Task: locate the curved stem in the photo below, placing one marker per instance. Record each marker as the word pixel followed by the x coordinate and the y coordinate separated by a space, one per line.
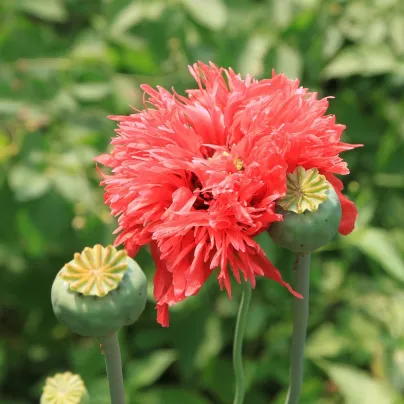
pixel 300 316
pixel 113 364
pixel 238 343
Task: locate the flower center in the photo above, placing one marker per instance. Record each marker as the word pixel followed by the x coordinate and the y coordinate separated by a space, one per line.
pixel 96 271
pixel 237 161
pixel 306 190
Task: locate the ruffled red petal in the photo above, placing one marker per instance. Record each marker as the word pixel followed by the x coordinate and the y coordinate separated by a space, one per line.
pixel 349 210
pixel 197 176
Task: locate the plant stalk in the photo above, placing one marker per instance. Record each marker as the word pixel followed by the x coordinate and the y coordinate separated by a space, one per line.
pixel 238 343
pixel 300 316
pixel 113 364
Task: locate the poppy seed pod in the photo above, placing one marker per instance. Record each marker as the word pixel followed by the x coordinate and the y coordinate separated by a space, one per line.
pixel 311 212
pixel 99 291
pixel 64 388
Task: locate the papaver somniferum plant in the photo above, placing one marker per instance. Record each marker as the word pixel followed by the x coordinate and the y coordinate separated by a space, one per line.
pixel 95 294
pixel 199 176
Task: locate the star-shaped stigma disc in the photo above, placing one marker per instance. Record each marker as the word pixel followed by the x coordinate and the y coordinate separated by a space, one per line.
pixel 306 190
pixel 96 271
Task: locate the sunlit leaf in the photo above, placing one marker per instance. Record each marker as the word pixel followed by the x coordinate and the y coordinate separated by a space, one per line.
pixel 252 58
pixel 282 12
pixel 91 91
pixel 89 46
pixel 143 372
pixel 333 41
pixel 397 33
pixel 72 186
pixel 170 395
pixel 325 342
pixel 358 387
pixel 387 309
pixel 134 13
pixel 52 10
pixel 27 183
pixel 210 13
pixel 288 61
pixel 127 91
pixel 377 244
pixel 364 60
pixel 10 106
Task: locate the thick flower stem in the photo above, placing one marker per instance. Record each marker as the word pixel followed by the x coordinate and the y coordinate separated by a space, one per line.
pixel 113 364
pixel 238 343
pixel 300 316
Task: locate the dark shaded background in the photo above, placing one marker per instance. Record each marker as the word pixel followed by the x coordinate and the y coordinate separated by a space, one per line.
pixel 67 64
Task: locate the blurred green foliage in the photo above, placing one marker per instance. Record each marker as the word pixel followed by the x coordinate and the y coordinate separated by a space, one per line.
pixel 67 64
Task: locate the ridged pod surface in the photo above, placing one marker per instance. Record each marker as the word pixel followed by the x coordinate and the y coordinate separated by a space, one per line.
pixel 315 217
pixel 100 311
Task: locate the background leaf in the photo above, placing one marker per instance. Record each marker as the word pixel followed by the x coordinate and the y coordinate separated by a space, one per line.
pixel 210 13
pixel 378 244
pixel 68 64
pixel 170 396
pixel 357 387
pixel 143 372
pixel 52 10
pixel 27 183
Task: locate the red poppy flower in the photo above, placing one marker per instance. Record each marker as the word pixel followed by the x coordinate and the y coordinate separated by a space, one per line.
pixel 197 176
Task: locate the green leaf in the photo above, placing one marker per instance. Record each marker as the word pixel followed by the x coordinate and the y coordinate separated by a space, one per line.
pixel 387 309
pixel 128 17
pixel 282 12
pixel 134 13
pixel 72 186
pixel 203 336
pixel 210 13
pixel 212 343
pixel 377 244
pixel 251 60
pixel 288 61
pixel 219 379
pixel 333 41
pixel 34 241
pixel 90 47
pixel 127 91
pixel 51 10
pixel 170 395
pixel 398 369
pixel 27 183
pixel 91 91
pixel 10 106
pixel 366 60
pixel 98 390
pixel 325 342
pixel 358 387
pixel 144 372
pixel 87 360
pixel 397 33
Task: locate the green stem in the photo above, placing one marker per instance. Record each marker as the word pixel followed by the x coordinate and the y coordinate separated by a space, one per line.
pixel 113 364
pixel 300 316
pixel 238 343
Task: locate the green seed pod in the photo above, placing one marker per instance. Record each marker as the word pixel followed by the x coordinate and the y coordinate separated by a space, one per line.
pixel 99 291
pixel 311 212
